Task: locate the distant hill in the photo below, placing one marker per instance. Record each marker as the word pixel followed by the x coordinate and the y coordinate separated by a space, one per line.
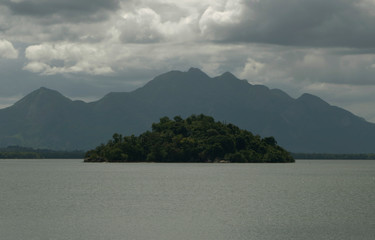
pixel 16 152
pixel 47 119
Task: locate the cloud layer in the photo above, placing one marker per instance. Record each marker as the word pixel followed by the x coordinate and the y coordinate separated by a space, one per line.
pixel 317 46
pixel 311 23
pixel 67 10
pixel 7 50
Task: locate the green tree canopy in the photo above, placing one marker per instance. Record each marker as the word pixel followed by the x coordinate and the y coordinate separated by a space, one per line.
pixel 198 138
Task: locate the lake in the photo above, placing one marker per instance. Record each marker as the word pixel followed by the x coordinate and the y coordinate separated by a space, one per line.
pixel 69 199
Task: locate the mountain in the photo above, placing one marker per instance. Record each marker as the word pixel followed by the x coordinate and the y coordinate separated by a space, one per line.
pixel 47 119
pixel 44 118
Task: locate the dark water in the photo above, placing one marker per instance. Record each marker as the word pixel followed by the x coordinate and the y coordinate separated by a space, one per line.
pixel 68 199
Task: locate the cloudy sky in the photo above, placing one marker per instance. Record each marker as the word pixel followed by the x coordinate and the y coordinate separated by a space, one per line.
pixel 87 48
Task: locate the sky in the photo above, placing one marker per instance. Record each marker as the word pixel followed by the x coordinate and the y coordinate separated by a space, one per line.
pixel 88 48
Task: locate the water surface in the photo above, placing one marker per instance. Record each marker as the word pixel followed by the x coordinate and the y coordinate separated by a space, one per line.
pixel 69 199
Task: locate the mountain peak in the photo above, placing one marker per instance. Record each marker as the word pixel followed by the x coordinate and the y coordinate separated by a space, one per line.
pixel 44 90
pixel 193 69
pixel 42 95
pixel 312 100
pixel 197 72
pixel 228 75
pixel 173 78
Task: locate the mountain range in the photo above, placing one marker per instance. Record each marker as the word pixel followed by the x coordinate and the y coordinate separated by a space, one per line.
pixel 47 119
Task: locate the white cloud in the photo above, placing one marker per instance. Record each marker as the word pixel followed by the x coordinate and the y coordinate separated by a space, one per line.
pixel 141 27
pixel 252 68
pixel 223 14
pixel 49 59
pixel 145 25
pixel 7 50
pixel 37 67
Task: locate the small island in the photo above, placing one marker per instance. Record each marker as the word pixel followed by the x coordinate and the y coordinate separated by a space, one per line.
pixel 198 138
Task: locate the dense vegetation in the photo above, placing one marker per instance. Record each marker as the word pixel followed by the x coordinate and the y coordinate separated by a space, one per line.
pixel 17 152
pixel 197 138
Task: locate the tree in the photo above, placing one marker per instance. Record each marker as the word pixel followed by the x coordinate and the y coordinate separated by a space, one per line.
pixel 197 138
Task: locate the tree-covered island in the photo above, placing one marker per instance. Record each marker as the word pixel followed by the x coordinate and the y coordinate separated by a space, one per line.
pixel 198 138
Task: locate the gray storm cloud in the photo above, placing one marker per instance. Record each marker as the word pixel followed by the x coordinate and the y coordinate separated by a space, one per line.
pixel 69 10
pixel 313 23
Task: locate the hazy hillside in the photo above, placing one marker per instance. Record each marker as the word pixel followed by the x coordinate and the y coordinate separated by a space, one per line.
pixel 46 119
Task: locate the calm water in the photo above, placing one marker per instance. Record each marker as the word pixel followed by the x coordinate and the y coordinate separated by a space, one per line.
pixel 68 199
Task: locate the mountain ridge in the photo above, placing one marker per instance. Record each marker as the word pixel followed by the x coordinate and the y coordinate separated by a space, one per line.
pixel 47 119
